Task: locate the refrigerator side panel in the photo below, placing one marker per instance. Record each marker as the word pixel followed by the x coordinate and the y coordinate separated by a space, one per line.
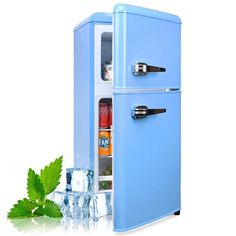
pixel 146 159
pixel 83 96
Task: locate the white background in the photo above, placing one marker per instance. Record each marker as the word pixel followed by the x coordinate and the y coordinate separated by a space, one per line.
pixel 36 105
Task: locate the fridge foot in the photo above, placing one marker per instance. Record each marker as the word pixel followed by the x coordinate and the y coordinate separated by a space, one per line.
pixel 177 213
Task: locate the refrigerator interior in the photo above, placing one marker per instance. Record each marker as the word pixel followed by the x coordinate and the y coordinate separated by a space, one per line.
pixel 104 145
pixel 103 157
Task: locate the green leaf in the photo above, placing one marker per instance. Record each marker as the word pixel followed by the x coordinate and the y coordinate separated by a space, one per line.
pixel 51 174
pixel 22 209
pixel 50 209
pixel 35 187
pixel 38 187
pixel 37 212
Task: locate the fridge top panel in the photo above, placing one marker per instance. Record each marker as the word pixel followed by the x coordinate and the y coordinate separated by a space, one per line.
pixel 124 8
pixel 99 17
pixel 146 49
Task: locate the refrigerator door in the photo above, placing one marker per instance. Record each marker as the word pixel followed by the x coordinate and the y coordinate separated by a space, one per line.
pixel 146 161
pixel 146 48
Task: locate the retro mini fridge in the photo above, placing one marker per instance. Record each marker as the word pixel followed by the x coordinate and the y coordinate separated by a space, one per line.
pixel 127 110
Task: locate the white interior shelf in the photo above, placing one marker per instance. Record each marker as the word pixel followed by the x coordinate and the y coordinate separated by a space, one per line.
pixel 105 178
pixel 105 157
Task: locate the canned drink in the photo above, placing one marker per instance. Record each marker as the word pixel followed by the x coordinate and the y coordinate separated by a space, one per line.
pixel 111 143
pixel 103 115
pixel 108 71
pixel 104 143
pixel 110 115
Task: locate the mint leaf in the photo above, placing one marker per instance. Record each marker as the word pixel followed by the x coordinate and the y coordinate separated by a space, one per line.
pixel 38 186
pixel 50 209
pixel 22 209
pixel 35 187
pixel 37 213
pixel 51 174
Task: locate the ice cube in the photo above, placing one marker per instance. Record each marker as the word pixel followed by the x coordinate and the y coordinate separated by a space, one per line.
pixel 100 204
pixel 71 203
pixel 60 198
pixel 79 180
pixel 77 205
pixel 57 197
pixel 83 205
pixel 68 180
pixel 79 201
pixel 109 202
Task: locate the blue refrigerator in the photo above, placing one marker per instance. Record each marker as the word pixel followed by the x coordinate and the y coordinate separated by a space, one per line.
pixel 127 93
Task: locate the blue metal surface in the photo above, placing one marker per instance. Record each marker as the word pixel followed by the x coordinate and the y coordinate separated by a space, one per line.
pixel 146 159
pixel 144 35
pixel 125 8
pixel 146 151
pixel 99 17
pixel 83 97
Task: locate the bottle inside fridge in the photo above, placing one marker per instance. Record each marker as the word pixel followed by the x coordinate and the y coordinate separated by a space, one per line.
pixel 106 56
pixel 105 144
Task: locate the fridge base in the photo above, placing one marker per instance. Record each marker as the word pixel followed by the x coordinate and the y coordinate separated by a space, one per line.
pixel 149 221
pixel 177 213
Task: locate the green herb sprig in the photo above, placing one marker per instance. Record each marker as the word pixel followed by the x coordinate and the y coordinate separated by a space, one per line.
pixel 38 187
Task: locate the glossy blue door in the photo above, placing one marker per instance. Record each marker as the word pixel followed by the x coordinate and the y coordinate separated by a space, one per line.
pixel 152 37
pixel 146 159
pixel 146 145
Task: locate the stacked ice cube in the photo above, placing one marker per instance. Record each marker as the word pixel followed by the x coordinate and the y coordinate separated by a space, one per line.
pixel 79 201
pixel 79 180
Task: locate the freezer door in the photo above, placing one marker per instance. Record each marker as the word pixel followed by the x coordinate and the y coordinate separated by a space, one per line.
pixel 146 158
pixel 146 48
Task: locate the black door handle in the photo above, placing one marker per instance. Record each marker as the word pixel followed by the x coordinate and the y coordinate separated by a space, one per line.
pixel 142 68
pixel 140 112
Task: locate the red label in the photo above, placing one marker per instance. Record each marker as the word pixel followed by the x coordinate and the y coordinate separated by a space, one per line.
pixel 103 115
pixel 110 115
